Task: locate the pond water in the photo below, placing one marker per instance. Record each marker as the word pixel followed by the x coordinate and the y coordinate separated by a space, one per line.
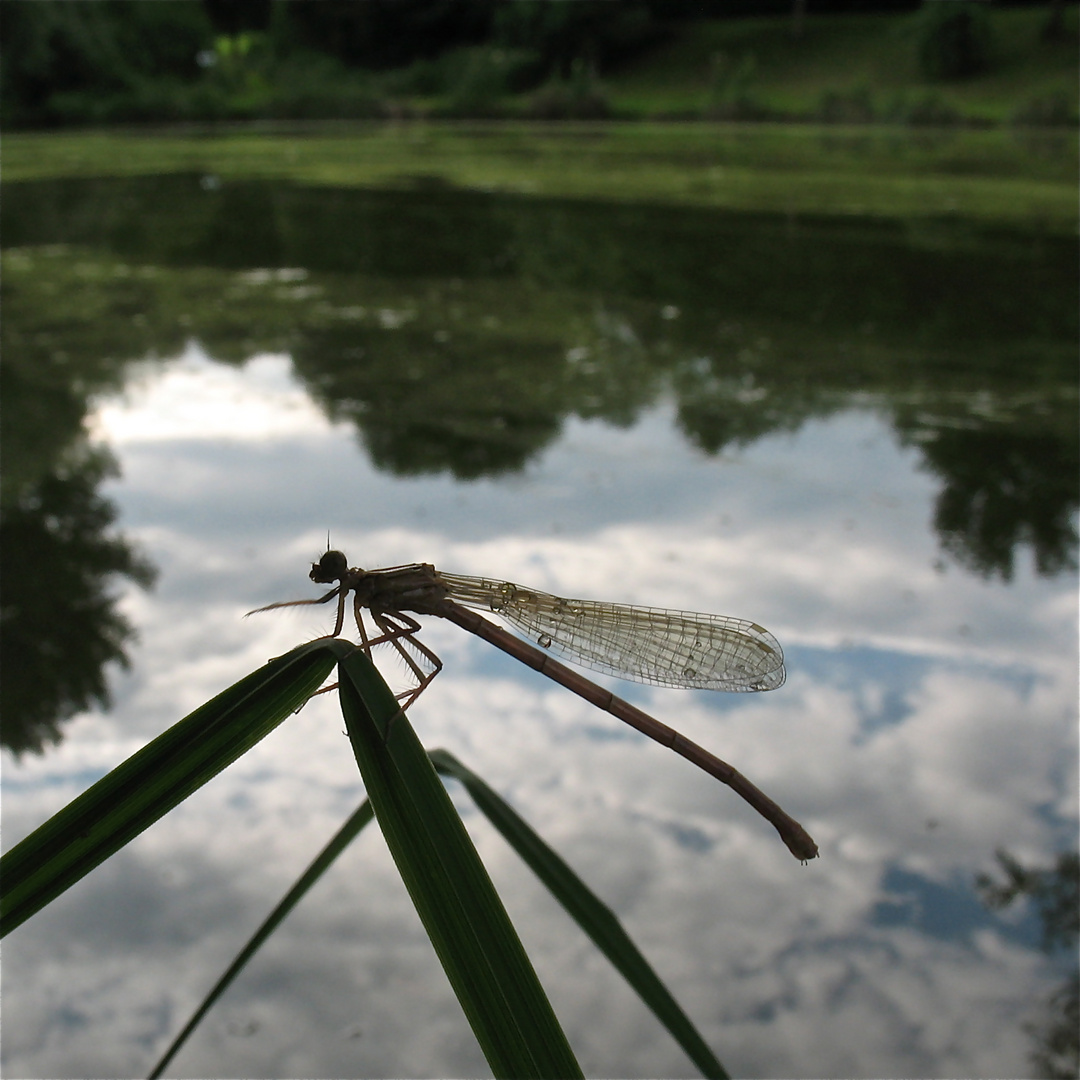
pixel 860 433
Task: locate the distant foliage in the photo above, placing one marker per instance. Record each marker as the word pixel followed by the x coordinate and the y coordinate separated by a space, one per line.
pixel 85 62
pixel 597 32
pixel 954 39
pixel 474 80
pixel 109 61
pixel 380 34
pixel 57 55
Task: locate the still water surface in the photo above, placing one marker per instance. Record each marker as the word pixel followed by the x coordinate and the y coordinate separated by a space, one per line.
pixel 859 433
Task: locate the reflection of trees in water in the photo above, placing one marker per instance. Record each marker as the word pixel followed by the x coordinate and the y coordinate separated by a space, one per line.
pixel 424 406
pixel 724 403
pixel 1004 488
pixel 59 621
pixel 1055 894
pixel 59 625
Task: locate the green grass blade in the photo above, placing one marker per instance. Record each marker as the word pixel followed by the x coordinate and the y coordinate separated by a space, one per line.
pixel 151 782
pixel 475 941
pixel 586 908
pixel 340 841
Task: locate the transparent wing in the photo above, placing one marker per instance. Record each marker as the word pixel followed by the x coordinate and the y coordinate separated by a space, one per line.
pixel 649 645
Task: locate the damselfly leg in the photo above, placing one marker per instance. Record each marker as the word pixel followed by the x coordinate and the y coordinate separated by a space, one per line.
pixel 400 631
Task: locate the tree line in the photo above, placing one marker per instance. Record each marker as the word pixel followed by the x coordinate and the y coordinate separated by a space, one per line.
pixel 87 61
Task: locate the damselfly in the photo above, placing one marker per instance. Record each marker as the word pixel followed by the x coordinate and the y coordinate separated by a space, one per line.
pixel 649 645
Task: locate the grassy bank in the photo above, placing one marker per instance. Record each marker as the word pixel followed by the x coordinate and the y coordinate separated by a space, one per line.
pixel 851 67
pixel 991 175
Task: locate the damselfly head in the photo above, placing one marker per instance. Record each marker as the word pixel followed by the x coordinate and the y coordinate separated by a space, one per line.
pixel 331 567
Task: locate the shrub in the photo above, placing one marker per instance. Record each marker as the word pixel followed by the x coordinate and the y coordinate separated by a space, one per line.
pixel 581 97
pixel 601 32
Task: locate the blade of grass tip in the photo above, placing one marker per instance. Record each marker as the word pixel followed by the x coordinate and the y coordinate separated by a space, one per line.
pixel 155 779
pixel 473 937
pixel 587 910
pixel 340 841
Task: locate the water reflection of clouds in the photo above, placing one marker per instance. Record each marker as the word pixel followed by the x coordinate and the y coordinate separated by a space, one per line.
pixel 909 749
pixel 193 398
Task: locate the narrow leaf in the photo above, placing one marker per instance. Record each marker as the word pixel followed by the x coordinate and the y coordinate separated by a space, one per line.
pixel 475 941
pixel 155 779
